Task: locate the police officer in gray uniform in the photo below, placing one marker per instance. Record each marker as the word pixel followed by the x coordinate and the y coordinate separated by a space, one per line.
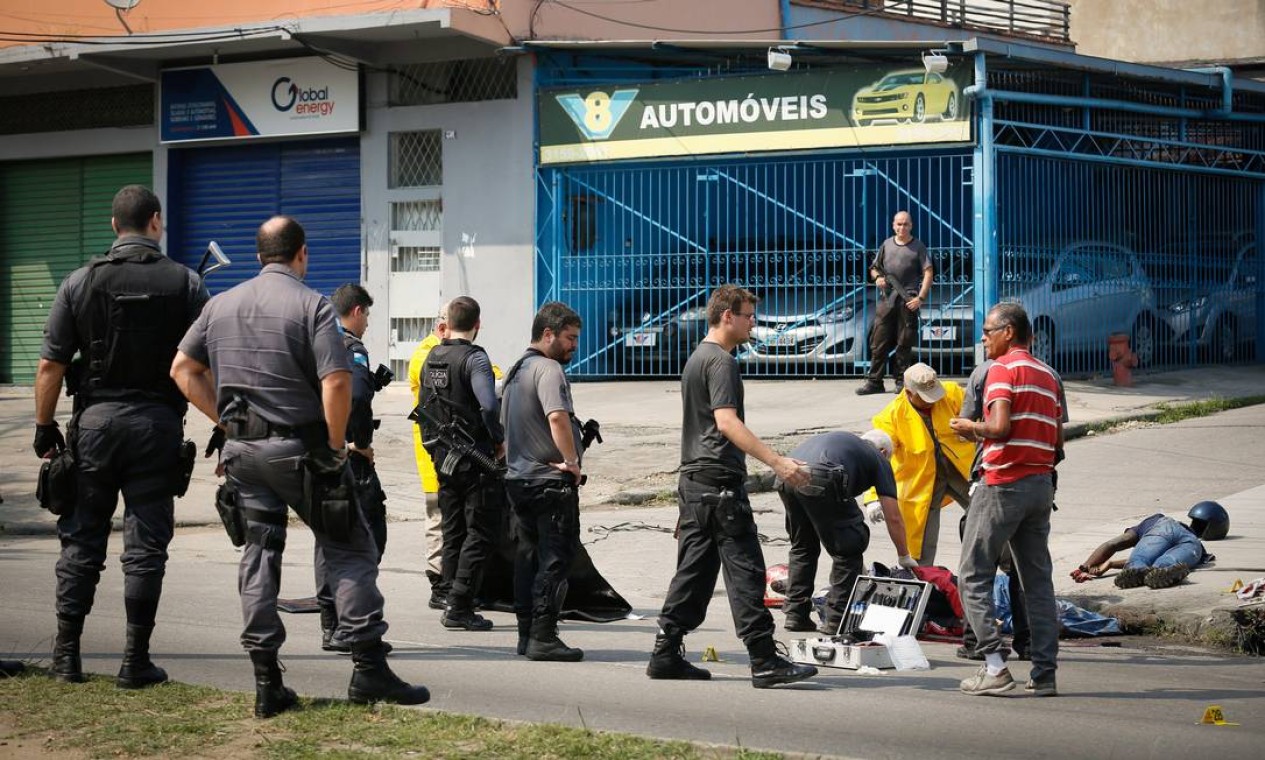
pixel 266 362
pixel 351 302
pixel 124 313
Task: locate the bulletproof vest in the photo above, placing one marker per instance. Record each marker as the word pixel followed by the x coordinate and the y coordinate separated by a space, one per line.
pixel 447 393
pixel 132 314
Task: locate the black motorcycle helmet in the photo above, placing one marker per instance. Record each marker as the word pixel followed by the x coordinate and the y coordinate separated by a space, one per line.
pixel 1209 520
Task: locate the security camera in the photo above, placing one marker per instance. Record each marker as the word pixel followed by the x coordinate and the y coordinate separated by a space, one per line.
pixel 935 63
pixel 779 60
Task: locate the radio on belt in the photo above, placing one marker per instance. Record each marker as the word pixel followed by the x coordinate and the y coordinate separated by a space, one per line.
pixel 877 606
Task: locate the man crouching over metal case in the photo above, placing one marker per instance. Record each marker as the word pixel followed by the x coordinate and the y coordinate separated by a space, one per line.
pixel 265 360
pixel 825 512
pixel 459 406
pixel 716 527
pixel 543 449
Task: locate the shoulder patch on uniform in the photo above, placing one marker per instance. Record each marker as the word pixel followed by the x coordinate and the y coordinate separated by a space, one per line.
pixel 359 358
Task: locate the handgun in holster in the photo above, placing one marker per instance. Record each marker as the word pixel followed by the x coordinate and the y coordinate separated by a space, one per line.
pixel 188 455
pixel 729 512
pixel 329 499
pixel 57 486
pixel 590 431
pixel 230 515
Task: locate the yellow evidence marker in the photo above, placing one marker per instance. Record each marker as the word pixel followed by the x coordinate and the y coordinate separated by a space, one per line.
pixel 1214 717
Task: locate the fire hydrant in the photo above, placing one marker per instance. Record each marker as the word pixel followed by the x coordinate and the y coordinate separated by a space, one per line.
pixel 1123 360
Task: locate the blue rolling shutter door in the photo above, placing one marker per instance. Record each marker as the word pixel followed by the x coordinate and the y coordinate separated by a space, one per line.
pixel 224 194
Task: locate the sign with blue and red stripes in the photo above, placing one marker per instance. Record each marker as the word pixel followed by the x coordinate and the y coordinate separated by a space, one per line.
pixel 294 96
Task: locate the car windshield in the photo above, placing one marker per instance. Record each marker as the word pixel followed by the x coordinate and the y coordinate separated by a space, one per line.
pixel 900 80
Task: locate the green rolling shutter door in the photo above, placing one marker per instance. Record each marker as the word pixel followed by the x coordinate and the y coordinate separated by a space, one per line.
pixel 54 216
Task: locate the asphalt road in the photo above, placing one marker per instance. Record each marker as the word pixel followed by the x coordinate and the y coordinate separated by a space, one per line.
pixel 1131 702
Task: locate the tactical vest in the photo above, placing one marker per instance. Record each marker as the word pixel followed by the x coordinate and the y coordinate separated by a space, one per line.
pixel 133 312
pixel 447 394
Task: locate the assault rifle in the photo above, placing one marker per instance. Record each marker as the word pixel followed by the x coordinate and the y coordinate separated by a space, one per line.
pixel 457 439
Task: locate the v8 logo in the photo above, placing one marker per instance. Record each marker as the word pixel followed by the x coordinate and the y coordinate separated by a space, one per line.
pixel 597 114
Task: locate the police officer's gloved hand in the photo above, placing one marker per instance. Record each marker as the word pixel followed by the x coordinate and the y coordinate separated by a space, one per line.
pixel 907 561
pixel 216 444
pixel 325 461
pixel 48 440
pixel 874 512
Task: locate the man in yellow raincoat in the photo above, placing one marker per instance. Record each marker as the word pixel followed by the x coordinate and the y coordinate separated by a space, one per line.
pixel 425 467
pixel 931 462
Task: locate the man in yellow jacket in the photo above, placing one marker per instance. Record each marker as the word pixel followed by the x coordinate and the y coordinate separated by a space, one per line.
pixel 425 467
pixel 931 462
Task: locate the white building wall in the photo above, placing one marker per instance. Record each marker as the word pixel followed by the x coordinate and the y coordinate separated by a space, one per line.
pixel 488 212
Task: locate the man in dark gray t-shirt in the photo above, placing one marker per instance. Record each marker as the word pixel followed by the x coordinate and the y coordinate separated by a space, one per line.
pixel 716 527
pixel 542 450
pixel 902 272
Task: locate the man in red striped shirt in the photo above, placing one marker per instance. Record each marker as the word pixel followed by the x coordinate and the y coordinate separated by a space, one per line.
pixel 1021 429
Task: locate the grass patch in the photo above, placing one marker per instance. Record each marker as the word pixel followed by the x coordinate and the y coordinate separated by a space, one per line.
pixel 175 720
pixel 1166 413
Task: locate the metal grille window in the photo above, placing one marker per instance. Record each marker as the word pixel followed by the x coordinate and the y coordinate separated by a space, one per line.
pixel 415 258
pixel 465 81
pixel 417 159
pixel 129 106
pixel 417 216
pixel 411 329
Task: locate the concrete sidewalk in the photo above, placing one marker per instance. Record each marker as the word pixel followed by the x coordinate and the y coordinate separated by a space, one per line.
pixel 637 463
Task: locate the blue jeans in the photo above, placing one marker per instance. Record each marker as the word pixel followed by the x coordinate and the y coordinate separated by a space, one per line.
pixel 1167 543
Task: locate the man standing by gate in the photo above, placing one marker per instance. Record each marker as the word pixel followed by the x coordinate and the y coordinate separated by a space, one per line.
pixel 716 527
pixel 124 313
pixel 902 271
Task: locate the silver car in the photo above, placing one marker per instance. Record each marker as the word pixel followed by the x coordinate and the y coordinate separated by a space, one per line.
pixel 1079 294
pixel 1220 314
pixel 798 329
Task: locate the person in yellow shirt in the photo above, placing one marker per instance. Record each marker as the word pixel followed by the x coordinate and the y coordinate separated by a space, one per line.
pixel 931 462
pixel 425 467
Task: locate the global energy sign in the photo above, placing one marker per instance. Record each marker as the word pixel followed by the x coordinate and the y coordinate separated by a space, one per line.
pixel 296 96
pixel 829 108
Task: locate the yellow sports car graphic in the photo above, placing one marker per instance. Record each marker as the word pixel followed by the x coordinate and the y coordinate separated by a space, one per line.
pixel 910 96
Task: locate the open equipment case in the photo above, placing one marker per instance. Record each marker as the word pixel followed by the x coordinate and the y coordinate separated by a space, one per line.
pixel 891 606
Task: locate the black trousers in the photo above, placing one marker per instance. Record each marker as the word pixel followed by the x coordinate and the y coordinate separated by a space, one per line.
pixel 708 542
pixel 547 523
pixel 894 327
pixel 471 504
pixel 811 523
pixel 372 501
pixel 133 449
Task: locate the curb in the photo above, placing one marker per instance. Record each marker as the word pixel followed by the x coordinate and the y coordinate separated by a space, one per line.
pixel 1216 629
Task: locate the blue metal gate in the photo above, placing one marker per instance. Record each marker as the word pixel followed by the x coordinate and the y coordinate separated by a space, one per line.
pixel 636 249
pixel 224 194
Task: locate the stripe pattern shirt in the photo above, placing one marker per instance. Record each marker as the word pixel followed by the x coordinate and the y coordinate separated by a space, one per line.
pixel 1032 389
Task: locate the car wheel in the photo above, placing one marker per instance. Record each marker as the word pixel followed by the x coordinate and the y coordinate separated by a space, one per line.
pixel 1224 341
pixel 1143 341
pixel 950 108
pixel 1043 341
pixel 920 110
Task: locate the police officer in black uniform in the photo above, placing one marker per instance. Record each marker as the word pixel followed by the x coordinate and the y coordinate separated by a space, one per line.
pixel 124 313
pixel 265 361
pixel 543 446
pixel 458 393
pixel 352 302
pixel 717 528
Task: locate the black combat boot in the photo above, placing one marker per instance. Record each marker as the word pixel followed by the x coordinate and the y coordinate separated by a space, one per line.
pixel 329 625
pixel 138 671
pixel 667 661
pixel 438 597
pixel 544 644
pixel 272 697
pixel 11 668
pixel 373 681
pixel 459 613
pixel 67 667
pixel 770 669
pixel 524 632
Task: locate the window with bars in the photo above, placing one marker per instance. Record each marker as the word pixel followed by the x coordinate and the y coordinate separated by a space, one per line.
pixel 415 258
pixel 411 329
pixel 417 159
pixel 464 81
pixel 417 216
